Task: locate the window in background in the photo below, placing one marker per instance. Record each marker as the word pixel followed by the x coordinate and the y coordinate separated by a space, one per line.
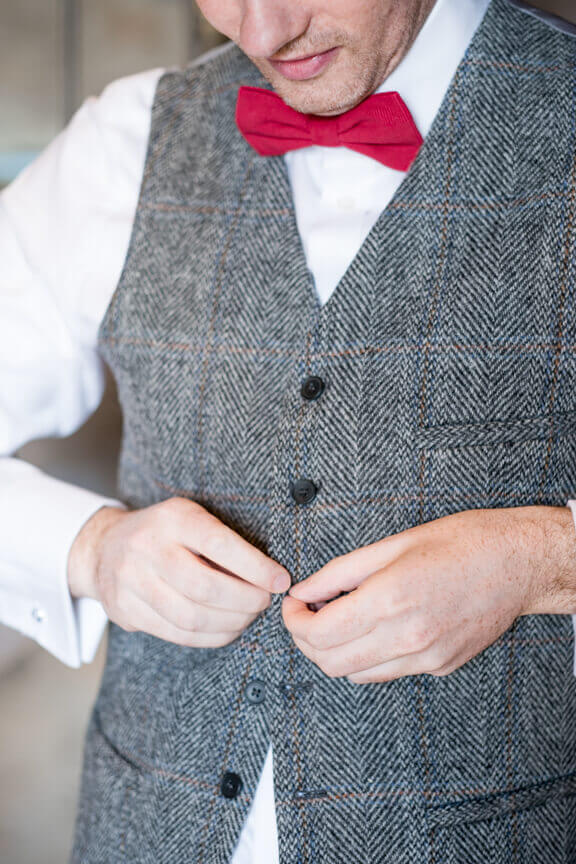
pixel 54 53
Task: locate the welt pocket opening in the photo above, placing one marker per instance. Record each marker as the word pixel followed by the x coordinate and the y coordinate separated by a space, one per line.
pixel 132 761
pixel 501 803
pixel 493 433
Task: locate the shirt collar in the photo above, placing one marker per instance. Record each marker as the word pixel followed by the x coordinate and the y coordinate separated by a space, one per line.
pixel 423 76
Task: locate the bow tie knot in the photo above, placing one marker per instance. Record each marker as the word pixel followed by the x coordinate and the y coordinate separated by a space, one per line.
pixel 324 132
pixel 380 127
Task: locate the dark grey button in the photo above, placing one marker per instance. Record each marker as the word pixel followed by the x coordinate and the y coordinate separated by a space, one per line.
pixel 312 388
pixel 256 692
pixel 231 785
pixel 303 491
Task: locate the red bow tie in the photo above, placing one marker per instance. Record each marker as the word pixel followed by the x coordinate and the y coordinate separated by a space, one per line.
pixel 380 126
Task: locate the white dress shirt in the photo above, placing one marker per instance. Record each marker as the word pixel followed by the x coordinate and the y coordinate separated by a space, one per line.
pixel 65 226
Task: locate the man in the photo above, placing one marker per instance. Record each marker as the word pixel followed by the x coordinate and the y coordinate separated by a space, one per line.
pixel 374 403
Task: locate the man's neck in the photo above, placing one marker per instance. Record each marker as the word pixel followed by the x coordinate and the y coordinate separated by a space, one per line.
pixel 412 22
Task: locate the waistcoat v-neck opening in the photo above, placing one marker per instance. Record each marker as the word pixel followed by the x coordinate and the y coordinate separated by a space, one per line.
pixel 413 183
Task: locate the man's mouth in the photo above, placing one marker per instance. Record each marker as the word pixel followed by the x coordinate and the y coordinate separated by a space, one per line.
pixel 303 68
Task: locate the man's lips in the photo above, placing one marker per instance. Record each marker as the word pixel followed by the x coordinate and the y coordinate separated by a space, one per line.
pixel 306 67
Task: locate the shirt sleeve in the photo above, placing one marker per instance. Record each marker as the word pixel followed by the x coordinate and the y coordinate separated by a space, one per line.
pixel 65 226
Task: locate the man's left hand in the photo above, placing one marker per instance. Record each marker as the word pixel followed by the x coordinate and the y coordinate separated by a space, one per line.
pixel 429 599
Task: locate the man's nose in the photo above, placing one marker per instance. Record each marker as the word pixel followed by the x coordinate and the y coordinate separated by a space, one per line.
pixel 267 25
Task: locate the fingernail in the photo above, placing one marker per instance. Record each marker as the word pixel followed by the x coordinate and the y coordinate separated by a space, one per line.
pixel 282 582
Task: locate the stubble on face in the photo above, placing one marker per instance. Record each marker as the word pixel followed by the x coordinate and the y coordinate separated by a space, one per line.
pixel 370 48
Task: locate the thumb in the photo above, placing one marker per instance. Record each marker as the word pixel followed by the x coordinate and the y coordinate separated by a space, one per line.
pixel 324 585
pixel 346 572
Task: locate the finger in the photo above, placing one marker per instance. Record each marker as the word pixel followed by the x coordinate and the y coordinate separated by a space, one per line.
pixel 297 617
pixel 145 619
pixel 185 614
pixel 194 579
pixel 353 657
pixel 359 655
pixel 409 664
pixel 205 535
pixel 343 620
pixel 348 571
pixel 305 649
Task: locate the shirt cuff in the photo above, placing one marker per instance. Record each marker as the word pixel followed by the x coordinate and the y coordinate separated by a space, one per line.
pixel 92 620
pixel 69 629
pixel 41 517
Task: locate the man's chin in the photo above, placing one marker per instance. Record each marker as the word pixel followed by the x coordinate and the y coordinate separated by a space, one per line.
pixel 315 96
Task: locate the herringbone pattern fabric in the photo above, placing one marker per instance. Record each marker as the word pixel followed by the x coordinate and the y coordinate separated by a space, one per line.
pixel 449 354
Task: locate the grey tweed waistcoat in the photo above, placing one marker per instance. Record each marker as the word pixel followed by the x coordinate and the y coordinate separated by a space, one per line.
pixel 449 356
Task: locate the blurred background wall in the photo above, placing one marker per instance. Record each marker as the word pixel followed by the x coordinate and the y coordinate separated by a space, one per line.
pixel 54 53
pixel 558 7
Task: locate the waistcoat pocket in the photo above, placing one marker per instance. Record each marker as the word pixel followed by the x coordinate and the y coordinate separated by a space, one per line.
pixel 513 463
pixel 116 806
pixel 502 802
pixel 493 433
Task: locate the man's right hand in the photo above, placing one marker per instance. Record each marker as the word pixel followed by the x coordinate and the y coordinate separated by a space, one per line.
pixel 173 570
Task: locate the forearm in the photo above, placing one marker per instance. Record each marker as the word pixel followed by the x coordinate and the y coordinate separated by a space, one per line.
pixel 546 536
